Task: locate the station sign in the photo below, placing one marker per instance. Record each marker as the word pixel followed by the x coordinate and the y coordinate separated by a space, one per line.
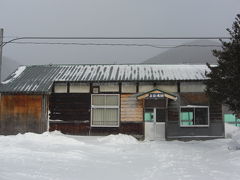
pixel 156 95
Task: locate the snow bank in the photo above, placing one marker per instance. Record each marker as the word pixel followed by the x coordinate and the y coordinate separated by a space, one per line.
pixel 233 132
pixel 229 130
pixel 15 74
pixel 44 139
pixel 235 142
pixel 118 139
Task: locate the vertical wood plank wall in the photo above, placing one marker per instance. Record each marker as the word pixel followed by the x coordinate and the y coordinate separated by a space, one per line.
pixel 22 113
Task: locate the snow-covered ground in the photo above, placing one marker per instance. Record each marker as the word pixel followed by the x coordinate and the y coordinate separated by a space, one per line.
pixel 52 156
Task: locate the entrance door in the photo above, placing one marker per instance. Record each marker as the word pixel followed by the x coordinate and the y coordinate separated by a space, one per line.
pixel 155 119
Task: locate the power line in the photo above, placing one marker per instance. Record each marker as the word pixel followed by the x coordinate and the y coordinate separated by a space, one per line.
pixel 116 37
pixel 113 44
pixel 110 38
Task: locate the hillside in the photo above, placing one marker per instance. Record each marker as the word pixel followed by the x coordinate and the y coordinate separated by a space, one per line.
pixel 187 54
pixel 8 66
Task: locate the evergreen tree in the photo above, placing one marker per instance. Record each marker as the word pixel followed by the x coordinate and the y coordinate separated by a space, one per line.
pixel 223 84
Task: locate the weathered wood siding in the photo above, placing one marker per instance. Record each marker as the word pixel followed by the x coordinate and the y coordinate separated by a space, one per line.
pixel 159 103
pixel 131 108
pixel 81 128
pixel 194 99
pixel 74 111
pixel 70 106
pixel 173 111
pixel 215 113
pixel 23 113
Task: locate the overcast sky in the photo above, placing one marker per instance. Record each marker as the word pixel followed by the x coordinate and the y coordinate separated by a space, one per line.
pixel 108 18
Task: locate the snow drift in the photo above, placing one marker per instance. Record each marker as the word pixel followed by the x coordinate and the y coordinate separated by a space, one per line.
pixel 234 144
pixel 118 139
pixel 229 130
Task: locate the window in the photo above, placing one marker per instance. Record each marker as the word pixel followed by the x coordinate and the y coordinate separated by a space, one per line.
pixel 194 116
pixel 160 115
pixel 95 89
pixel 155 115
pixel 148 115
pixel 105 110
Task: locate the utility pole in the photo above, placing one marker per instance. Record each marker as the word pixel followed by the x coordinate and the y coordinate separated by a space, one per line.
pixel 1 46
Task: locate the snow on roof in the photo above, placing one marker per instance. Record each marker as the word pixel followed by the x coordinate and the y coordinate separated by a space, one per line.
pixel 14 75
pixel 39 78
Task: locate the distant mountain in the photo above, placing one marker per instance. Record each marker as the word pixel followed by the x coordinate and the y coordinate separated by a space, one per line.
pixel 187 54
pixel 8 66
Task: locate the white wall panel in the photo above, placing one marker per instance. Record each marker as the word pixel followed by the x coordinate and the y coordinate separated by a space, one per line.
pixel 129 88
pixel 60 88
pixel 167 88
pixel 192 87
pixel 79 88
pixel 145 87
pixel 109 87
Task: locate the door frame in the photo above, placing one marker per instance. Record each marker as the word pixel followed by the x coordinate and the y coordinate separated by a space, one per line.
pixel 154 123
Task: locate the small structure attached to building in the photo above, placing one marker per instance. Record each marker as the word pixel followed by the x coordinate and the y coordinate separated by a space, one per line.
pixel 146 101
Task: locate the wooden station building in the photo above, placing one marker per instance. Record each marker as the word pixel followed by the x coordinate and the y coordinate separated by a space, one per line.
pixel 146 101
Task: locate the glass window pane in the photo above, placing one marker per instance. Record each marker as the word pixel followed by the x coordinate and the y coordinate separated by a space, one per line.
pixel 161 115
pixel 148 115
pixel 187 116
pixel 98 116
pixel 102 116
pixel 111 100
pixel 201 116
pixel 111 117
pixel 107 115
pixel 98 100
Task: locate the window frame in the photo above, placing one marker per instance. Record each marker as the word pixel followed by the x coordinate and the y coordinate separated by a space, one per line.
pixel 105 107
pixel 194 107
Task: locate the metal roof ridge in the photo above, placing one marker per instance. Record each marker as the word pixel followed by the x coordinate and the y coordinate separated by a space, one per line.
pixel 138 64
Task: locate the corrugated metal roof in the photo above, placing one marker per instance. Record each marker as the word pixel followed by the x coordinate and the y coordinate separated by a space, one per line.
pixel 39 78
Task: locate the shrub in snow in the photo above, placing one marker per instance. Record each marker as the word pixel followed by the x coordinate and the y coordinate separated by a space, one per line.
pixel 118 139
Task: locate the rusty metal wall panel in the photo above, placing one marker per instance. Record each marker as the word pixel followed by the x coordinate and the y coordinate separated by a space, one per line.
pixel 22 113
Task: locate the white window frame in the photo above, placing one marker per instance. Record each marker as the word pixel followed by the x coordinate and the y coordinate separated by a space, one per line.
pixel 194 107
pixel 105 107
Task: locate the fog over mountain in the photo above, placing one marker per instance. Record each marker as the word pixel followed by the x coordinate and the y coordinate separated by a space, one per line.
pixel 8 66
pixel 188 54
pixel 108 18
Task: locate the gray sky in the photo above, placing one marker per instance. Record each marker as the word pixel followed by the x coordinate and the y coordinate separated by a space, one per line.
pixel 108 18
